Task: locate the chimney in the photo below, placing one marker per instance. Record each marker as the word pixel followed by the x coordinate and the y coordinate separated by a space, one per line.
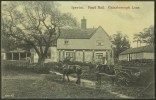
pixel 83 23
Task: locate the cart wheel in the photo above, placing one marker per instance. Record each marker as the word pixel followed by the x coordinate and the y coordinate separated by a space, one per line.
pixel 122 79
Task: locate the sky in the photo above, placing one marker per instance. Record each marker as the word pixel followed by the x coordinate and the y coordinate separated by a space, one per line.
pixel 126 19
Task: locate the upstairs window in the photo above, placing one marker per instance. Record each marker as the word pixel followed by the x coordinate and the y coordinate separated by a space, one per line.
pixel 66 42
pixel 99 43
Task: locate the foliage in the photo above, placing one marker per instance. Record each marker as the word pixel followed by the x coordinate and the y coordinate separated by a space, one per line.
pixel 23 66
pixel 147 36
pixel 146 77
pixel 121 43
pixel 137 63
pixel 34 23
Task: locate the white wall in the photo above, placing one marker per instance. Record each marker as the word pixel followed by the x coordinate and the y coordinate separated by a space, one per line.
pixel 54 55
pixel 123 57
pixel 88 56
pixel 79 56
pixel 137 56
pixel 148 56
pixel 3 56
pixel 35 58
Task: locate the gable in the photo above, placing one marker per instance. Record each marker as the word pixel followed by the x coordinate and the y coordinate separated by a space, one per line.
pixel 100 32
pixel 86 43
pixel 101 35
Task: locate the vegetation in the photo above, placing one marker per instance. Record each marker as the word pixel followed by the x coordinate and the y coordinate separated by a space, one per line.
pixel 120 42
pixel 147 36
pixel 35 24
pixel 51 84
pixel 30 85
pixel 24 66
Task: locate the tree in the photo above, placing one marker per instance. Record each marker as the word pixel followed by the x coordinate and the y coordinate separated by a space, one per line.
pixel 35 23
pixel 147 36
pixel 120 42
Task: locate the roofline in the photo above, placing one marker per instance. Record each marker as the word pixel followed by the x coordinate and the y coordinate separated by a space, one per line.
pixel 138 52
pixel 73 38
pixel 84 49
pixel 102 29
pixel 90 35
pixel 82 38
pixel 93 32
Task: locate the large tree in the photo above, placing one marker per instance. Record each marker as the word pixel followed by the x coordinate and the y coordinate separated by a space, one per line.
pixel 35 23
pixel 146 36
pixel 121 43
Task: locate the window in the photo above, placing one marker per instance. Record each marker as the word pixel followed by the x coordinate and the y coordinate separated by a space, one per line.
pixel 66 42
pixel 99 55
pixel 69 54
pixel 99 43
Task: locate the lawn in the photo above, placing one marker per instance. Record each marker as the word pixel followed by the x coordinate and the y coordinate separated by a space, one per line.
pixel 24 84
pixel 18 86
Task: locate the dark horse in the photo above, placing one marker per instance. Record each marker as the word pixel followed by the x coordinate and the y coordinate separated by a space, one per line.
pixel 71 69
pixel 103 69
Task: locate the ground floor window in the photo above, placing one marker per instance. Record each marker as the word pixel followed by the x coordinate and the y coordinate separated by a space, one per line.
pixel 9 56
pixel 99 55
pixel 70 55
pixel 17 55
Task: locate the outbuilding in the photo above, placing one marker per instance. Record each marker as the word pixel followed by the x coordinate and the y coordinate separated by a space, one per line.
pixel 144 52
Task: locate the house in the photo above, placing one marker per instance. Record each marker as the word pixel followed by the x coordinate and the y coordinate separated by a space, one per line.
pixel 85 44
pixel 144 52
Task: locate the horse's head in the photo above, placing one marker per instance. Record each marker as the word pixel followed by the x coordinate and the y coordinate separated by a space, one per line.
pixel 97 68
pixel 78 69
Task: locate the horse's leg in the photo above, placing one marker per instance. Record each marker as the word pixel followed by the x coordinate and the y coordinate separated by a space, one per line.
pixel 78 79
pixel 100 80
pixel 68 77
pixel 63 77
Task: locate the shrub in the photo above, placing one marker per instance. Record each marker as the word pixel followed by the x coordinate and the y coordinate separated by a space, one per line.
pixel 25 68
pixel 41 70
pixel 146 77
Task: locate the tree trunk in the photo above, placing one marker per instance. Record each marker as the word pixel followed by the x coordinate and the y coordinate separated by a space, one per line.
pixel 41 61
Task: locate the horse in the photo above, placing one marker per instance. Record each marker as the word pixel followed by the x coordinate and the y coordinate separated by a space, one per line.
pixel 71 69
pixel 103 69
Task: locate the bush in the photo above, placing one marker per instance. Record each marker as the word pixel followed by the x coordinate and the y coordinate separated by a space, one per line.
pixel 137 63
pixel 41 70
pixel 146 77
pixel 25 68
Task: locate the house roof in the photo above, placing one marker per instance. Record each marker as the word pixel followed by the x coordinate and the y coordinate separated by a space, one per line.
pixel 18 50
pixel 77 33
pixel 148 48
